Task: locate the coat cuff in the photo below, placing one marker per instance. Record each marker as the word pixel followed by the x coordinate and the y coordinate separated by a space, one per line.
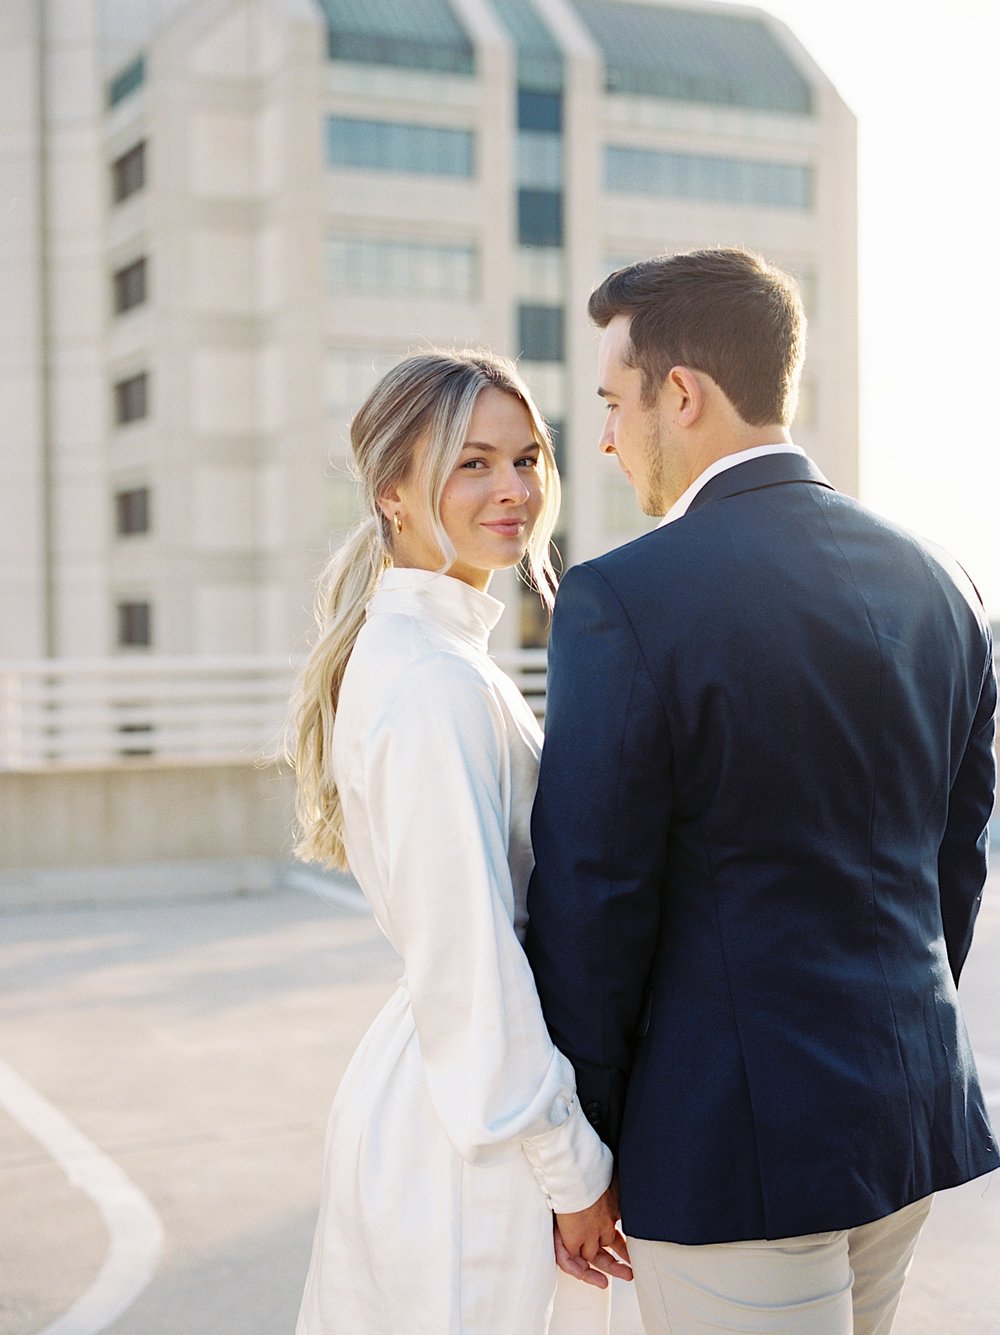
pixel 571 1163
pixel 601 1091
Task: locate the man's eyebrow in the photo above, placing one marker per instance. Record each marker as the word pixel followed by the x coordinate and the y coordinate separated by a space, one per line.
pixel 605 393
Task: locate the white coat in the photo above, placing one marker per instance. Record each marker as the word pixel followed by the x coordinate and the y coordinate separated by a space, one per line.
pixel 456 1129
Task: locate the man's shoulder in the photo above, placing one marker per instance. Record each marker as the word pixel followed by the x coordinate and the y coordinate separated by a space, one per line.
pixel 689 541
pixel 613 571
pixel 899 542
pixel 710 553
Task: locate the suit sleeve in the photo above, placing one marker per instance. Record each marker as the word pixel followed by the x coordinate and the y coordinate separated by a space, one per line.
pixel 437 768
pixel 963 852
pixel 599 834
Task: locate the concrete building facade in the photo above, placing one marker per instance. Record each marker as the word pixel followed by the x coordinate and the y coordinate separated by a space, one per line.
pixel 225 219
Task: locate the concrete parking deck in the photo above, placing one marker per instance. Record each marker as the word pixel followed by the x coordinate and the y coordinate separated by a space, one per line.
pixel 185 1050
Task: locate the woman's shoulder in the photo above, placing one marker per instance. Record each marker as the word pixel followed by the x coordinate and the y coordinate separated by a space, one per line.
pixel 396 654
pixel 441 682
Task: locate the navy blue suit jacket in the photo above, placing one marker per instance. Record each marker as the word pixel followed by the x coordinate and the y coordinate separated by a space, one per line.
pixel 760 844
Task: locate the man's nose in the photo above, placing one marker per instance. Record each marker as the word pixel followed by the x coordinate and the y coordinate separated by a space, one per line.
pixel 606 444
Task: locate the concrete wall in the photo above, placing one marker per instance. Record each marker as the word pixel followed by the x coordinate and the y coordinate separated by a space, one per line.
pixel 144 813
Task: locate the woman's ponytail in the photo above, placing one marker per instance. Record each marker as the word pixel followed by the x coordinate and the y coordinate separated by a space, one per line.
pixel 345 587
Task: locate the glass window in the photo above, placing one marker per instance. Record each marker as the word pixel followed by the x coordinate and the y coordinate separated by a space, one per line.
pixel 411 34
pixel 643 171
pixel 135 625
pixel 691 54
pixel 534 619
pixel 417 268
pixel 132 511
pixel 539 160
pixel 139 731
pixel 557 430
pixel 540 333
pixel 540 275
pixel 350 378
pixel 132 398
pixel 611 263
pixel 397 147
pixel 133 76
pixel 539 111
pixel 128 173
pixel 539 218
pixel 129 286
pixel 405 52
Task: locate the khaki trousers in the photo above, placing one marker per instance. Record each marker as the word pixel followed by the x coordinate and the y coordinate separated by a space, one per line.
pixel 844 1283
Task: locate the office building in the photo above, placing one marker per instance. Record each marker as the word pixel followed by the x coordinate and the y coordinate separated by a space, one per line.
pixel 223 219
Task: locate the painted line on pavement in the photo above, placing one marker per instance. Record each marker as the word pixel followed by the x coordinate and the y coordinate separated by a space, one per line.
pixel 135 1234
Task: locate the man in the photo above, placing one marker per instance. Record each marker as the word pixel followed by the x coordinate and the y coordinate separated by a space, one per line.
pixel 760 836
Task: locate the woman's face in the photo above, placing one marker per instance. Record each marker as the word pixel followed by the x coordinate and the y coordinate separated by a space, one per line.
pixel 490 504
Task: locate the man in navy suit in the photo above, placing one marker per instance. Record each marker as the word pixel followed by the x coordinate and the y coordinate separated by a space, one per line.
pixel 760 836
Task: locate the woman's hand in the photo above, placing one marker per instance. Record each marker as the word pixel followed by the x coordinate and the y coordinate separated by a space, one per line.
pixel 588 1243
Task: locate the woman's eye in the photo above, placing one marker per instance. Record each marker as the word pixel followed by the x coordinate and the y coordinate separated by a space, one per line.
pixel 529 461
pixel 474 464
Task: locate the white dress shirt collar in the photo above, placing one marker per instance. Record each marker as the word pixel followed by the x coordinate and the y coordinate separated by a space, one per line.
pixel 680 506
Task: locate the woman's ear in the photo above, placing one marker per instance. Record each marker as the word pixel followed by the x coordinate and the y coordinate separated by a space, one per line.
pixel 390 503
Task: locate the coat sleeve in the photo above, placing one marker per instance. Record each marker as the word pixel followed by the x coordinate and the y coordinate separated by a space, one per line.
pixel 599 832
pixel 962 856
pixel 437 768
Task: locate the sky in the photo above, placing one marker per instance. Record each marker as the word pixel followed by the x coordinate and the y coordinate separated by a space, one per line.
pixel 923 81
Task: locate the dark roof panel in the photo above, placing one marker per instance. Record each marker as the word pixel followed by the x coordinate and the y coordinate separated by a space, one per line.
pixel 539 58
pixel 410 34
pixel 693 55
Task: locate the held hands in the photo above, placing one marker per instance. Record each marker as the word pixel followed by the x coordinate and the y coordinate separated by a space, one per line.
pixel 588 1243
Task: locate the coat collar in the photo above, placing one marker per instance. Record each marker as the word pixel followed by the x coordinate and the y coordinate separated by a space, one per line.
pixel 774 470
pixel 432 596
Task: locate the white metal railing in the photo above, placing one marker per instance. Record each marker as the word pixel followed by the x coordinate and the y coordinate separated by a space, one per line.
pixel 116 711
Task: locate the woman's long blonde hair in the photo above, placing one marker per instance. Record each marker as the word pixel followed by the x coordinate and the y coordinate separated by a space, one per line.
pixel 428 396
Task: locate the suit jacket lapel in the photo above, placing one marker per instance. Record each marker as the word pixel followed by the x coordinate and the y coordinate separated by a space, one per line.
pixel 772 470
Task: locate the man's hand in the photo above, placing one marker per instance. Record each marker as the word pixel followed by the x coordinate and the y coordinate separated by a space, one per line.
pixel 588 1243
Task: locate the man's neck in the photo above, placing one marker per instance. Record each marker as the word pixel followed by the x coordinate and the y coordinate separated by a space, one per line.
pixel 748 437
pixel 720 464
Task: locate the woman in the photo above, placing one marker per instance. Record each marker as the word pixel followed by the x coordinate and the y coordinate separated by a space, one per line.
pixel 456 1130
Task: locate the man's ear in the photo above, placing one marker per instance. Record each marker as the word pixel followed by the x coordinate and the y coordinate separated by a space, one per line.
pixel 688 394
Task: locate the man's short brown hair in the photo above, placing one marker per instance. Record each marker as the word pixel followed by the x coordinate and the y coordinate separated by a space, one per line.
pixel 726 312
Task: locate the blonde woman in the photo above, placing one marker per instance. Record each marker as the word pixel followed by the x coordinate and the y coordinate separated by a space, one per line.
pixel 456 1131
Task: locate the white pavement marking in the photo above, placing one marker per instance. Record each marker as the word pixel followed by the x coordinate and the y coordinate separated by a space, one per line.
pixel 135 1234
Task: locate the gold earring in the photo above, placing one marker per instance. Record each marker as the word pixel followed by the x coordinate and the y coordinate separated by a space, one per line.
pixel 397 523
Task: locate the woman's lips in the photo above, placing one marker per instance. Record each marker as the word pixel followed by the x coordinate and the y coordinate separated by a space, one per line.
pixel 507 528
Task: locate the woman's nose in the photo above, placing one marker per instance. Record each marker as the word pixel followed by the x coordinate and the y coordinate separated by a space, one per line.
pixel 512 485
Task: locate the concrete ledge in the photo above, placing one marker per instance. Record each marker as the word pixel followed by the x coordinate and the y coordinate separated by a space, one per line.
pixel 144 812
pixel 37 888
pixel 32 888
